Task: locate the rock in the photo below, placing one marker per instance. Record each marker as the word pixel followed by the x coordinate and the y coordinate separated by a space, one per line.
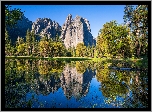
pixel 45 26
pixel 76 31
pixel 19 29
pixel 73 31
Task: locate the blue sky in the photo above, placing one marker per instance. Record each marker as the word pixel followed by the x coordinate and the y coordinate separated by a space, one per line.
pixel 97 15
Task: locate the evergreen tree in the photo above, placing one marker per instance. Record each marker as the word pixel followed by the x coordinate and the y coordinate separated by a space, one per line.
pixel 33 46
pixel 12 16
pixel 7 44
pixel 28 43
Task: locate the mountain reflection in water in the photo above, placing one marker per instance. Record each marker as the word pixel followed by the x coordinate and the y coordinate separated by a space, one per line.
pixel 74 83
pixel 80 84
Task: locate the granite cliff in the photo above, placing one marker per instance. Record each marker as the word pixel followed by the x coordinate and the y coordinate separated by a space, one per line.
pixel 72 32
pixel 76 31
pixel 47 27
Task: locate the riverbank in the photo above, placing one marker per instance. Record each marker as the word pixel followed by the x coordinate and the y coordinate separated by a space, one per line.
pixel 50 58
pixel 73 58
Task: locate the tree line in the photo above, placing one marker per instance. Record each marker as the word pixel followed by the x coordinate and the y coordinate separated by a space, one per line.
pixel 128 40
pixel 114 40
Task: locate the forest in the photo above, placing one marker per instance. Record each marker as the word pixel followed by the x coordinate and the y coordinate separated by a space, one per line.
pixel 116 41
pixel 111 74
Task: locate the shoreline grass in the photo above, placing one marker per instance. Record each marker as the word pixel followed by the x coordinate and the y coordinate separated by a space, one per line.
pixel 70 58
pixel 50 58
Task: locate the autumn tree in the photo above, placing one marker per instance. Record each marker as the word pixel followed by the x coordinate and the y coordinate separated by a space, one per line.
pixel 80 66
pixel 57 49
pixel 20 46
pixel 80 50
pixel 43 47
pixel 21 49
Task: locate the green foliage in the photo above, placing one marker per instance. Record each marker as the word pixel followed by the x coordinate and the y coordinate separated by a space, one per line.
pixel 21 49
pixel 80 50
pixel 90 51
pixel 80 66
pixel 113 41
pixel 137 21
pixel 8 46
pixel 71 52
pixel 20 46
pixel 12 16
pixel 68 54
pixel 57 49
pixel 28 43
pixel 43 48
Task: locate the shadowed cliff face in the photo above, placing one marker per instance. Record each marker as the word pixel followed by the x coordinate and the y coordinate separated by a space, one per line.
pixel 41 27
pixel 19 29
pixel 45 26
pixel 76 31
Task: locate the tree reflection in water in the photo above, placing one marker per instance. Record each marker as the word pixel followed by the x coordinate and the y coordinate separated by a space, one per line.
pixel 130 85
pixel 120 88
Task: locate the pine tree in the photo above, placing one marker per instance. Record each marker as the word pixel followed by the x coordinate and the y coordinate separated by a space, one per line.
pixel 12 16
pixel 28 43
pixel 7 44
pixel 33 47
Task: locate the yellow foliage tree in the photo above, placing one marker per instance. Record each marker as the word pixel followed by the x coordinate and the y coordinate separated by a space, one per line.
pixel 80 50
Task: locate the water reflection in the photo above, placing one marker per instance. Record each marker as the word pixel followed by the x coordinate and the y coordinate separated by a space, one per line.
pixel 75 83
pixel 118 88
pixel 130 85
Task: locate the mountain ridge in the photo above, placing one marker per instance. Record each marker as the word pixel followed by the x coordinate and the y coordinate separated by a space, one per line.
pixel 72 32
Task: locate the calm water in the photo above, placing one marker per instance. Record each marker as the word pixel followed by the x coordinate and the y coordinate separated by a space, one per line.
pixel 79 84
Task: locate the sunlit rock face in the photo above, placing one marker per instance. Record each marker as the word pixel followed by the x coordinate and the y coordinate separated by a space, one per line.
pixel 72 32
pixel 47 27
pixel 19 29
pixel 76 31
pixel 75 84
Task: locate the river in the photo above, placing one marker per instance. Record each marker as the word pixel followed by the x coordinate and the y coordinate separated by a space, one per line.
pixel 76 84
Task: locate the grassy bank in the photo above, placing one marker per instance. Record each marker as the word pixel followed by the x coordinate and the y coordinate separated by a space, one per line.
pixel 121 59
pixel 136 63
pixel 50 58
pixel 72 58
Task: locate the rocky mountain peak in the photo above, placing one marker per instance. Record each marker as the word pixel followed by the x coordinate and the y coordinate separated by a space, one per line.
pixel 72 32
pixel 76 31
pixel 45 26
